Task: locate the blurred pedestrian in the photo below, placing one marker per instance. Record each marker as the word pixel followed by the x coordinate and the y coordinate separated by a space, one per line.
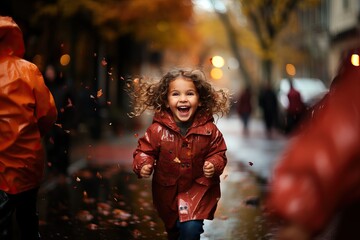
pixel 183 148
pixel 27 112
pixel 58 141
pixel 315 186
pixel 296 109
pixel 244 108
pixel 269 106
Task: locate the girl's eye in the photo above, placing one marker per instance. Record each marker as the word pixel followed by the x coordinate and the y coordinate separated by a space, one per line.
pixel 175 94
pixel 191 93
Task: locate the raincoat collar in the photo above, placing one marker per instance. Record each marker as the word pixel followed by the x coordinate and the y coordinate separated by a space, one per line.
pixel 11 38
pixel 166 118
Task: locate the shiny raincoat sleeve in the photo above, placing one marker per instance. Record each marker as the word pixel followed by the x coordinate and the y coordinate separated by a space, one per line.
pixel 45 109
pixel 216 154
pixel 319 172
pixel 147 149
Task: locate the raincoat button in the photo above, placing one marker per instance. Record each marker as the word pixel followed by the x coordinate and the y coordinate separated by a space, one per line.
pixel 188 165
pixel 184 144
pixel 182 165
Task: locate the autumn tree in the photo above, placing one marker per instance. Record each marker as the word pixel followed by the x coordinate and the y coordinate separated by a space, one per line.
pixel 123 30
pixel 266 20
pixel 126 33
pixel 163 23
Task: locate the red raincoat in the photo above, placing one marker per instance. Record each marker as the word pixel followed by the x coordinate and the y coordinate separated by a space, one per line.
pixel 178 166
pixel 27 111
pixel 319 173
pixel 296 105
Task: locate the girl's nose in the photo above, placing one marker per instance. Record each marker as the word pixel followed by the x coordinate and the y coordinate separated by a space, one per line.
pixel 183 98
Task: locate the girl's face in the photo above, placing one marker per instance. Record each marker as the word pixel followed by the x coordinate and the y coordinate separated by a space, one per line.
pixel 183 99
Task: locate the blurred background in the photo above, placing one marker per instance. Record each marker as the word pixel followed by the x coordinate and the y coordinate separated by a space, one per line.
pixel 96 44
pixel 88 49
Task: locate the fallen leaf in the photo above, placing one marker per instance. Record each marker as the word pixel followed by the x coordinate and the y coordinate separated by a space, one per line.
pixel 103 62
pixel 99 93
pixel 92 226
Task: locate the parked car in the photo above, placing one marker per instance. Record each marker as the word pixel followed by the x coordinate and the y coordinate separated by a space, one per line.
pixel 311 91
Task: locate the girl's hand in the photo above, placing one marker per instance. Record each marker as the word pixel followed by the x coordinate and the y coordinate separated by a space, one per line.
pixel 208 169
pixel 146 171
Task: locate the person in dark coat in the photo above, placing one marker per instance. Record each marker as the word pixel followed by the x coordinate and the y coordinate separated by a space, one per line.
pixel 296 109
pixel 183 149
pixel 269 106
pixel 244 108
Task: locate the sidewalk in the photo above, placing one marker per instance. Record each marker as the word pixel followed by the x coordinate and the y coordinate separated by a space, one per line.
pixel 255 150
pixel 103 199
pixel 250 162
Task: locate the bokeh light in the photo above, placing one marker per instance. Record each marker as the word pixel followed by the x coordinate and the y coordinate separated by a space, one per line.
pixel 65 59
pixel 233 63
pixel 216 73
pixel 355 60
pixel 218 61
pixel 290 69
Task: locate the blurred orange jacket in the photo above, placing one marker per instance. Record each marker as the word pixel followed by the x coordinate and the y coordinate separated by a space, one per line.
pixel 27 112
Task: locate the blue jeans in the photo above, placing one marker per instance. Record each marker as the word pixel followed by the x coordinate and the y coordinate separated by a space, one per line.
pixel 190 230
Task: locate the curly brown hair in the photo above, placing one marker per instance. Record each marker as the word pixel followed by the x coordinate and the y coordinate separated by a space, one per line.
pixel 149 95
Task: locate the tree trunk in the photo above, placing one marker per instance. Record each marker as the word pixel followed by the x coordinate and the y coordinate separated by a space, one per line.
pixel 267 65
pixel 234 47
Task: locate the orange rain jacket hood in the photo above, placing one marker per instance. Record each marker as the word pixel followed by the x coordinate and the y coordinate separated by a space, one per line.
pixel 27 111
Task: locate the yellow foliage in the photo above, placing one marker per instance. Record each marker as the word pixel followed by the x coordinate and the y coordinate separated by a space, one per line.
pixel 163 21
pixel 266 21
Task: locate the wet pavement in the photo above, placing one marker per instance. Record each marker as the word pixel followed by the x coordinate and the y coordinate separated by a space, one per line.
pixel 103 199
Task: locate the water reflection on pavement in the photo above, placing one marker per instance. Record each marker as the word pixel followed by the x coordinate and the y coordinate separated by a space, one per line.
pixel 108 203
pixel 103 199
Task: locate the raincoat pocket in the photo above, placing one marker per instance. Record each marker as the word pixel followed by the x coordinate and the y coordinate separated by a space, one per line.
pixel 191 202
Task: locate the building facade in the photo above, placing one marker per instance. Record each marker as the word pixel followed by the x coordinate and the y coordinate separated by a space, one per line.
pixel 344 30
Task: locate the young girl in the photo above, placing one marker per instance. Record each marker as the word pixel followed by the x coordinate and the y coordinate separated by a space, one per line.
pixel 183 148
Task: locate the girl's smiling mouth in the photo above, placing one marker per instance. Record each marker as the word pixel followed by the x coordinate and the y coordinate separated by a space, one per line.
pixel 183 109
